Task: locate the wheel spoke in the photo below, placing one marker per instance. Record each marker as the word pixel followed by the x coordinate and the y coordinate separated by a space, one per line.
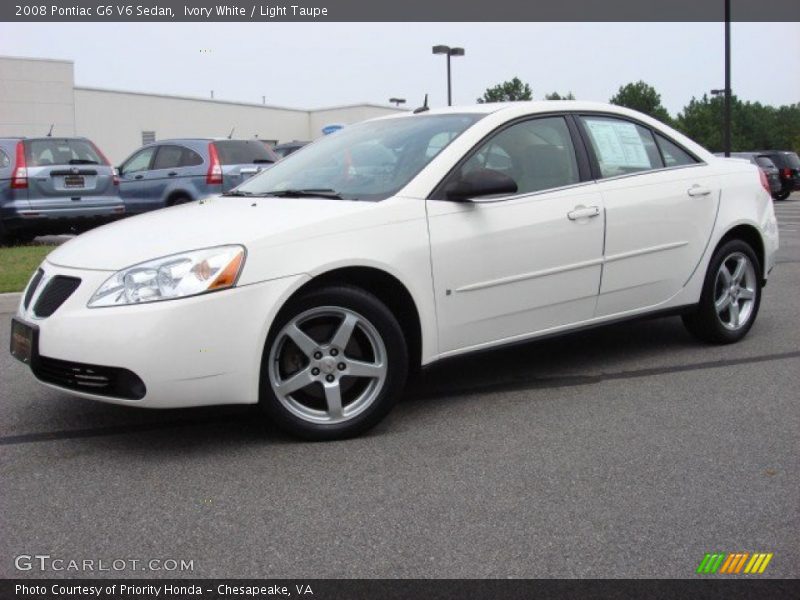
pixel 357 368
pixel 734 312
pixel 723 302
pixel 746 294
pixel 345 331
pixel 333 397
pixel 297 381
pixel 726 275
pixel 303 341
pixel 738 272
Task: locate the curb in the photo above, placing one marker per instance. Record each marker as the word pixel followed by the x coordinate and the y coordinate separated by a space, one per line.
pixel 9 302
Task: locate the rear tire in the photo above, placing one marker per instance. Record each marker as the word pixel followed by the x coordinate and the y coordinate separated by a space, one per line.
pixel 782 195
pixel 731 295
pixel 179 199
pixel 334 364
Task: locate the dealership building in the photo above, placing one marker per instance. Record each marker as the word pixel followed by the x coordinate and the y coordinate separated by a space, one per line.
pixel 38 93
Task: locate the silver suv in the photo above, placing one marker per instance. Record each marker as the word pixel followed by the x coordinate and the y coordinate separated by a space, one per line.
pixel 54 185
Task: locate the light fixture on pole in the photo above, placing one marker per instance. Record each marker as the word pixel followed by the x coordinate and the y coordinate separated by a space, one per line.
pixel 448 51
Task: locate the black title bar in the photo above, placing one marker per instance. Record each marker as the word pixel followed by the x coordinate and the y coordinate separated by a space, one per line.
pixel 401 11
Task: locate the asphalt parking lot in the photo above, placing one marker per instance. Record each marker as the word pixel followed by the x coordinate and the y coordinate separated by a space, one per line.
pixel 626 451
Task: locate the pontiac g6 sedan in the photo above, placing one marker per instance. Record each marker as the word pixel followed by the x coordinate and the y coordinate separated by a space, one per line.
pixel 316 286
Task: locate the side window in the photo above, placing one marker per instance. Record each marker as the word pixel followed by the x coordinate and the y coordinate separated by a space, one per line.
pixel 537 154
pixel 4 160
pixel 168 157
pixel 190 158
pixel 621 147
pixel 139 161
pixel 674 155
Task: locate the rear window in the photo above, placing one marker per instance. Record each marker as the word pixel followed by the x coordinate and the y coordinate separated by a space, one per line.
pixel 792 160
pixel 763 161
pixel 53 151
pixel 242 152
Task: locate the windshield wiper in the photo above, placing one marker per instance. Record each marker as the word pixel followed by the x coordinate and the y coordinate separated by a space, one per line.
pixel 306 193
pixel 82 161
pixel 237 193
pixel 258 161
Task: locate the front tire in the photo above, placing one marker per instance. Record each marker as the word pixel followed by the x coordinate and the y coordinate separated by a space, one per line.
pixel 334 364
pixel 731 295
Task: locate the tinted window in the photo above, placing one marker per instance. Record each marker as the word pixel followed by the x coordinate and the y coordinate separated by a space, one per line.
pixel 621 147
pixel 674 155
pixel 792 160
pixel 53 151
pixel 242 152
pixel 139 161
pixel 4 160
pixel 537 154
pixel 367 161
pixel 168 157
pixel 763 161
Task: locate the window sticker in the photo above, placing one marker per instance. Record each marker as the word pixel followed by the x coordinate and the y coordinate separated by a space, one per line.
pixel 618 144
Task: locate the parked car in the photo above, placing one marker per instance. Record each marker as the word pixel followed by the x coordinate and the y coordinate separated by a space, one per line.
pixel 53 185
pixel 314 291
pixel 767 166
pixel 169 172
pixel 788 165
pixel 287 148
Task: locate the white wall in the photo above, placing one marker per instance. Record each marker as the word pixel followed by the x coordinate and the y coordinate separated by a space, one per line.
pixel 34 94
pixel 115 120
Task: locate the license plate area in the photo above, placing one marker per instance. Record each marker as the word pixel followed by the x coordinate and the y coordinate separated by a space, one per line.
pixel 24 338
pixel 74 181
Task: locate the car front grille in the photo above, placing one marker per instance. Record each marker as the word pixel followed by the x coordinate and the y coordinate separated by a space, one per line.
pixel 32 287
pixel 91 379
pixel 57 290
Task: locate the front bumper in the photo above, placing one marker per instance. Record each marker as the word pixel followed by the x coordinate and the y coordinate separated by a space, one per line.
pixel 193 351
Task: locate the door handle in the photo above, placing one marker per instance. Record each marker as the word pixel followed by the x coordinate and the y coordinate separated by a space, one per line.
pixel 172 173
pixel 583 212
pixel 139 177
pixel 698 190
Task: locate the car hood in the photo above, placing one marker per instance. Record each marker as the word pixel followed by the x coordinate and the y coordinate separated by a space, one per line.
pixel 212 222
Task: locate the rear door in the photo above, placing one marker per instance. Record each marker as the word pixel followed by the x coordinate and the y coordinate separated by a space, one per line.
pixel 67 172
pixel 660 203
pixel 171 173
pixel 241 159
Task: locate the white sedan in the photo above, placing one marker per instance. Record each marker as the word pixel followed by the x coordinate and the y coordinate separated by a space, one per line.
pixel 316 286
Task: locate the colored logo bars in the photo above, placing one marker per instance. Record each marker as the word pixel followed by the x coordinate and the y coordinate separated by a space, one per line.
pixel 734 563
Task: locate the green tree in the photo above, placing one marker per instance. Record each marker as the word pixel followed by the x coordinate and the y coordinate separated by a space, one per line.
pixel 642 97
pixel 508 91
pixel 557 96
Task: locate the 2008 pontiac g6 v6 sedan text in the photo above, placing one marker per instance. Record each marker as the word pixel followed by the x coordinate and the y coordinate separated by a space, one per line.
pixel 315 287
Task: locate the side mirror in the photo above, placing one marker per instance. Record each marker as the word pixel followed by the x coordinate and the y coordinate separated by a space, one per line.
pixel 479 183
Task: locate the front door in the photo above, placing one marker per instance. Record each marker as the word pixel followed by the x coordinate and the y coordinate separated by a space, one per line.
pixel 506 268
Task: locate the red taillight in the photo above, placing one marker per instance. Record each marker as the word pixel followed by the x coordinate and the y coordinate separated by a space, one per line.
pixel 115 179
pixel 19 180
pixel 764 181
pixel 787 173
pixel 214 174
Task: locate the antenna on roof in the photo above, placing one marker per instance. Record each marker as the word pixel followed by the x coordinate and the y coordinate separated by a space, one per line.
pixel 230 135
pixel 50 133
pixel 422 108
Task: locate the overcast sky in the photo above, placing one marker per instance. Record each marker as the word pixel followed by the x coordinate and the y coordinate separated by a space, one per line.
pixel 311 65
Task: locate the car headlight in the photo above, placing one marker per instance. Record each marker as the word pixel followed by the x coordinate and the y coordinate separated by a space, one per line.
pixel 175 276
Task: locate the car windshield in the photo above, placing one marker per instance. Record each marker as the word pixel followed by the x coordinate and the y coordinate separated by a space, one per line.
pixel 366 161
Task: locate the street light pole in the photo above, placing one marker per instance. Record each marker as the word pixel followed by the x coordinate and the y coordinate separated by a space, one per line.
pixel 447 50
pixel 726 134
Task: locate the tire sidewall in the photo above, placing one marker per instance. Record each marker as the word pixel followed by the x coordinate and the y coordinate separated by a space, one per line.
pixel 373 310
pixel 707 309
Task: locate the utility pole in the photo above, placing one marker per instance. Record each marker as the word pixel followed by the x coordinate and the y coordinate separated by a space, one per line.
pixel 726 132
